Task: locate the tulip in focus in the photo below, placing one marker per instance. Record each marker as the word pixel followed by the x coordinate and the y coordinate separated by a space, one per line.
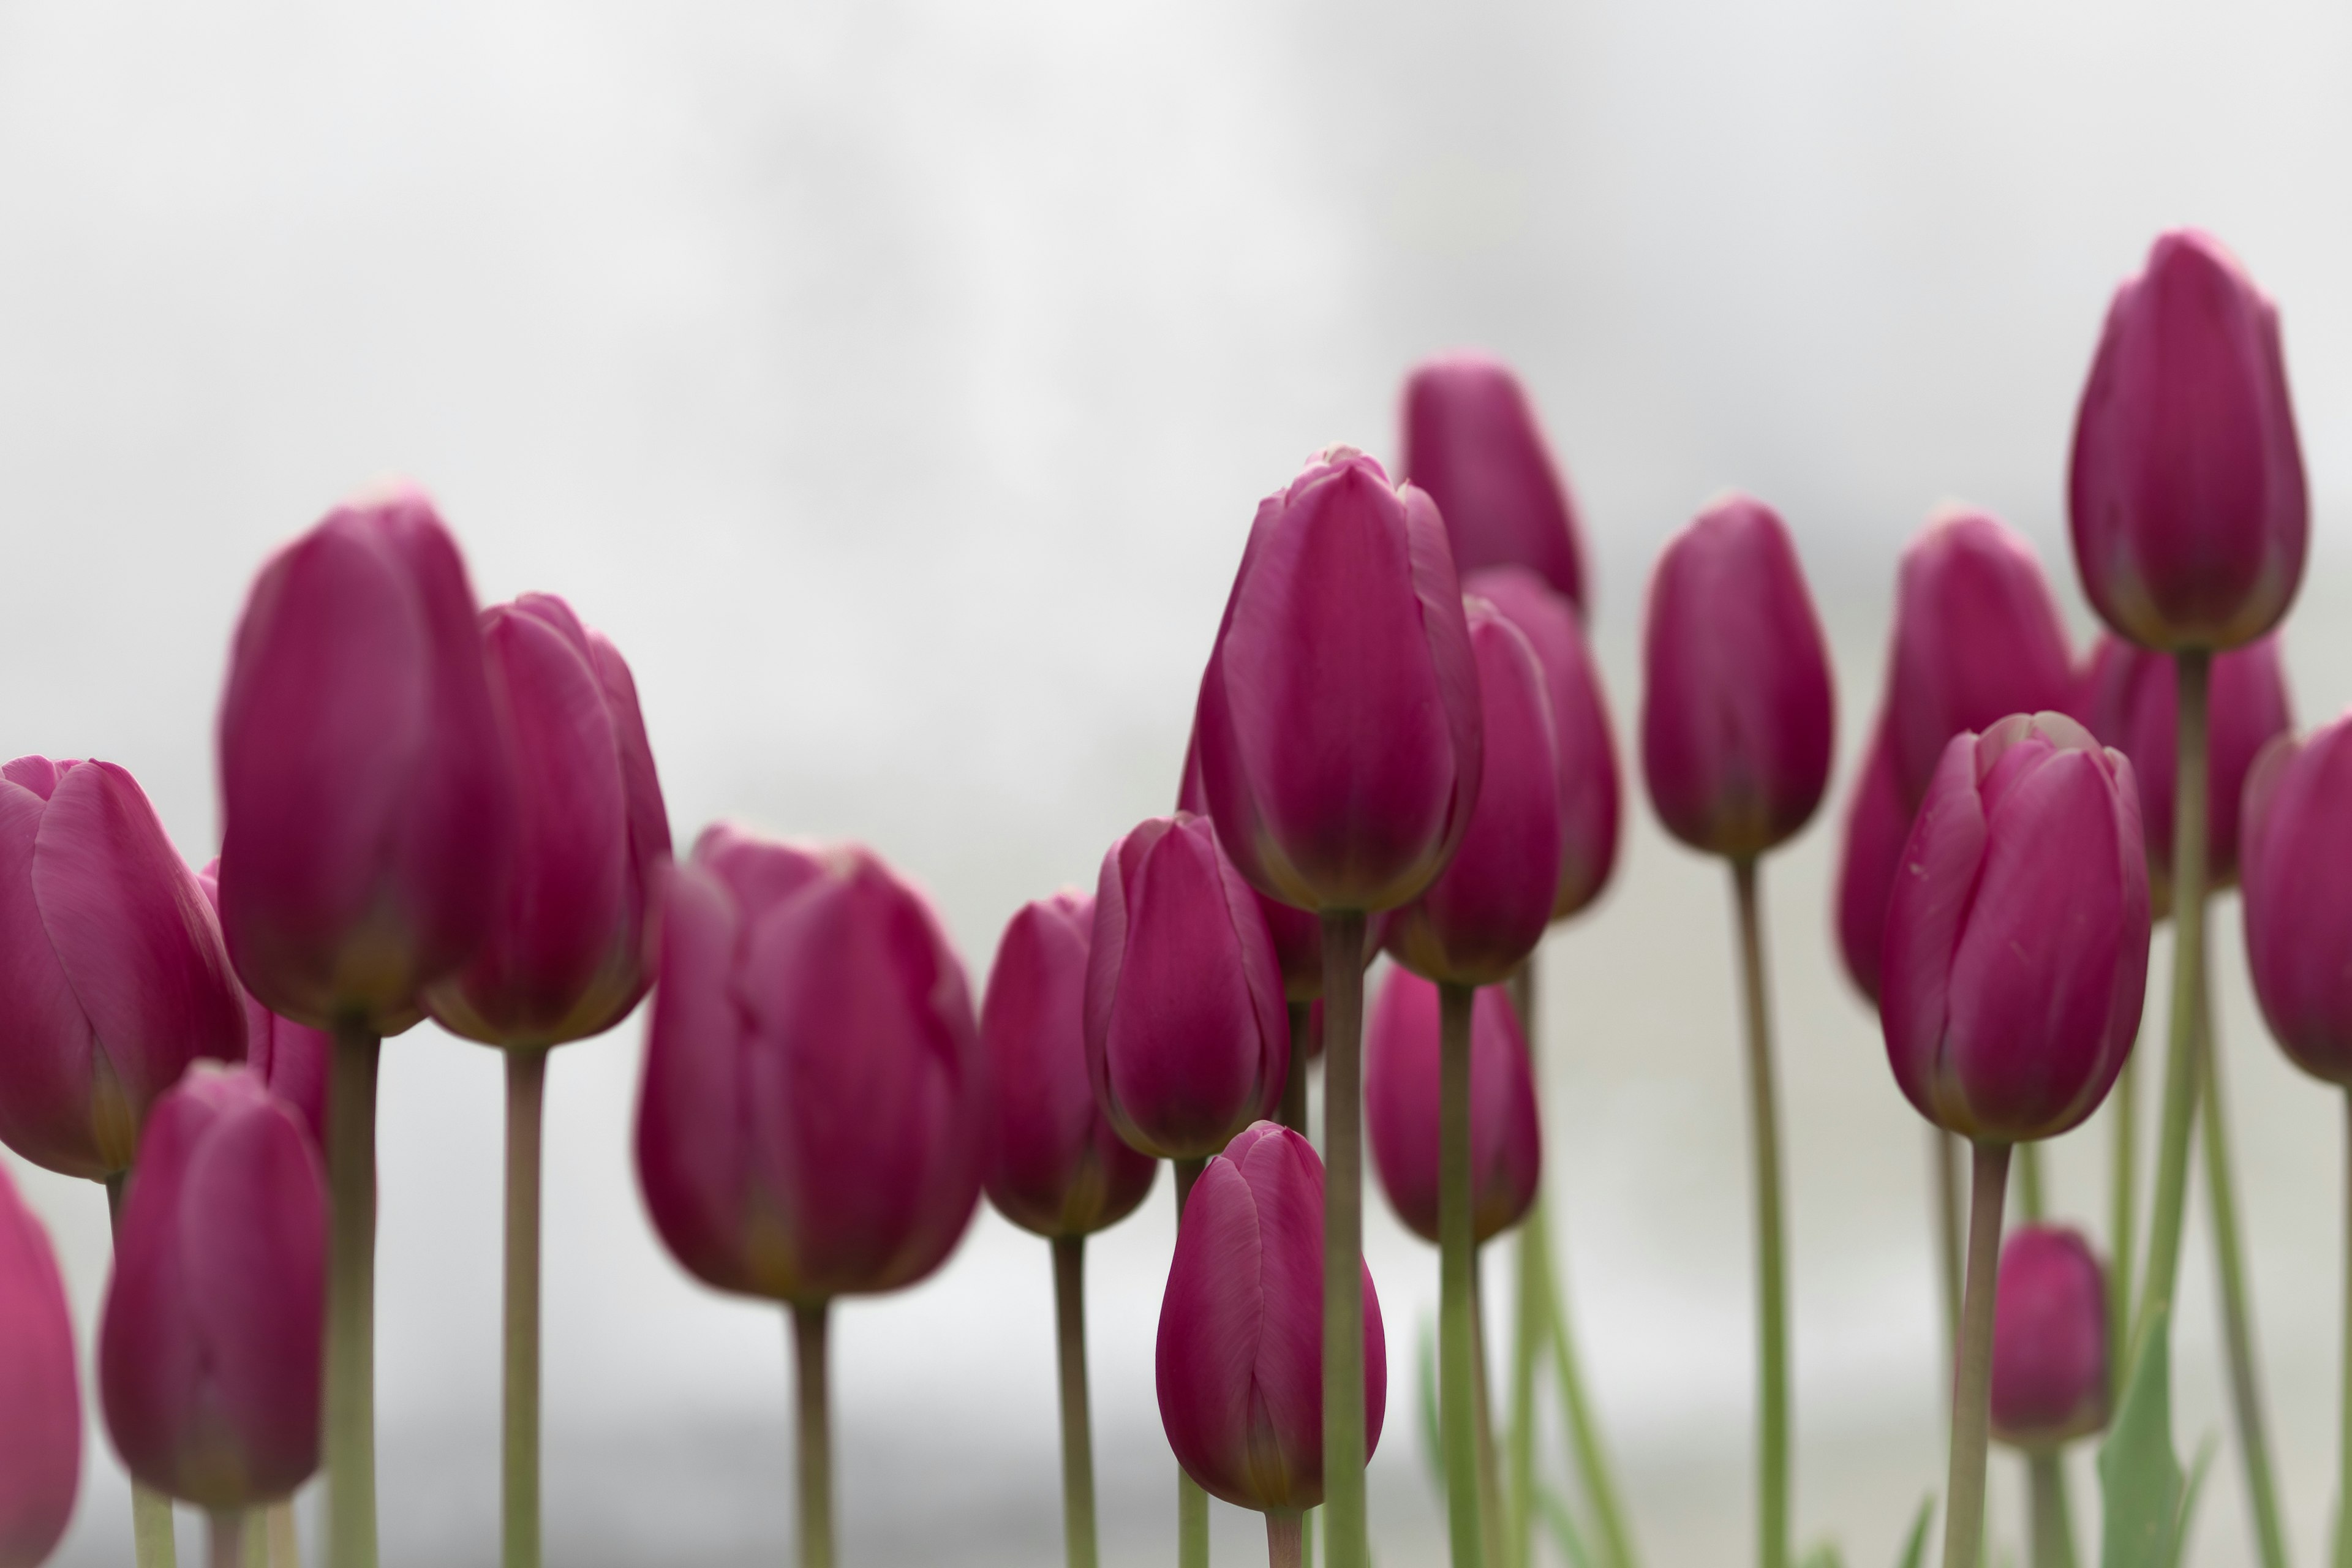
pixel 1471 440
pixel 2049 1339
pixel 1400 1096
pixel 1297 934
pixel 2298 868
pixel 41 1398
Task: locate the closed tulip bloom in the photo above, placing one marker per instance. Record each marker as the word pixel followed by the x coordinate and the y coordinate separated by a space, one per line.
pixel 1240 1360
pixel 1187 1036
pixel 208 1355
pixel 811 1123
pixel 1055 1165
pixel 1471 440
pixel 290 1057
pixel 2015 953
pixel 2187 490
pixel 41 1398
pixel 366 796
pixel 2298 868
pixel 1876 824
pixel 1977 638
pixel 1736 710
pixel 2049 1339
pixel 1400 1061
pixel 112 977
pixel 1339 715
pixel 1585 754
pixel 1297 934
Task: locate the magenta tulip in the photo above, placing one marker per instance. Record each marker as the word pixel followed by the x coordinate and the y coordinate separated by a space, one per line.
pixel 2049 1339
pixel 1876 824
pixel 1297 933
pixel 367 798
pixel 209 1356
pixel 2187 490
pixel 112 977
pixel 41 1398
pixel 1471 440
pixel 2297 865
pixel 1401 1059
pixel 1736 712
pixel 292 1058
pixel 2015 951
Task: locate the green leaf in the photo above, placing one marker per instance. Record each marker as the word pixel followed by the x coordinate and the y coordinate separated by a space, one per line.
pixel 1562 1525
pixel 2140 1483
pixel 1825 1555
pixel 1915 1548
pixel 2189 1499
pixel 1433 1444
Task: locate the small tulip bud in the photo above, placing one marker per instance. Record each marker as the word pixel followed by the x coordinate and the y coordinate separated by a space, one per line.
pixel 1401 1082
pixel 40 1397
pixel 2049 1339
pixel 2297 866
pixel 1876 824
pixel 1471 440
pixel 290 1058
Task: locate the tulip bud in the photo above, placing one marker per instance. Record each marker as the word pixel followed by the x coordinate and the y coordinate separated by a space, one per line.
pixel 1585 755
pixel 208 1355
pixel 1977 638
pixel 571 951
pixel 2049 1339
pixel 366 796
pixel 41 1398
pixel 1488 907
pixel 1297 934
pixel 1187 1036
pixel 1876 824
pixel 2015 953
pixel 1055 1165
pixel 1339 716
pixel 2297 865
pixel 811 1123
pixel 1737 713
pixel 290 1058
pixel 1240 1361
pixel 1400 1067
pixel 112 977
pixel 2187 489
pixel 1472 442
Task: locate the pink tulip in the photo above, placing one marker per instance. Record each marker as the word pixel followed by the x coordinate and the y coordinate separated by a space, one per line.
pixel 112 977
pixel 209 1356
pixel 41 1398
pixel 1297 934
pixel 2049 1339
pixel 1472 442
pixel 290 1057
pixel 1055 1164
pixel 1339 716
pixel 2297 865
pixel 367 799
pixel 2015 953
pixel 1240 1362
pixel 1736 712
pixel 1876 824
pixel 2187 489
pixel 1401 1062
pixel 812 1118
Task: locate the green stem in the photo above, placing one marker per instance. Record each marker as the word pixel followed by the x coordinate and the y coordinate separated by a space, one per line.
pixel 1527 1317
pixel 2123 1196
pixel 1972 1400
pixel 1294 1082
pixel 1457 1261
pixel 2029 1205
pixel 1592 1458
pixel 1490 1473
pixel 1285 1540
pixel 814 1401
pixel 2343 1554
pixel 350 1298
pixel 526 1086
pixel 151 1511
pixel 225 1539
pixel 1772 1281
pixel 1192 1501
pixel 2053 1519
pixel 285 1545
pixel 1347 1545
pixel 1077 1437
pixel 1943 1150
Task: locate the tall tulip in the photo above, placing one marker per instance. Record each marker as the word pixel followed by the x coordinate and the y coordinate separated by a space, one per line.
pixel 41 1398
pixel 2049 1379
pixel 1471 440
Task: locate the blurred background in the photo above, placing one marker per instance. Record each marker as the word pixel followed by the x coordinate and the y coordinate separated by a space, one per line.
pixel 895 382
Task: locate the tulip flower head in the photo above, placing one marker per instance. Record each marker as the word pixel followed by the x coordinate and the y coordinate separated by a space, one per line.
pixel 2297 865
pixel 41 1398
pixel 2049 1339
pixel 1401 1098
pixel 1297 934
pixel 290 1057
pixel 1876 824
pixel 1471 440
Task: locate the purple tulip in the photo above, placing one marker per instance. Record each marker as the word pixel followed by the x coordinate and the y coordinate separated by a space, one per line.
pixel 1339 716
pixel 1736 712
pixel 1297 933
pixel 1585 754
pixel 2015 953
pixel 1401 1065
pixel 41 1398
pixel 1977 638
pixel 1876 824
pixel 112 977
pixel 812 1118
pixel 2297 865
pixel 1472 442
pixel 1240 1362
pixel 1187 1037
pixel 208 1354
pixel 1055 1164
pixel 2187 489
pixel 367 798
pixel 292 1058
pixel 2049 1339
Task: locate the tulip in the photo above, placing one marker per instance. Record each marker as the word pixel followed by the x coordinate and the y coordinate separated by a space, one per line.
pixel 40 1399
pixel 1876 824
pixel 290 1058
pixel 2297 865
pixel 1472 442
pixel 1400 1099
pixel 812 1122
pixel 2049 1339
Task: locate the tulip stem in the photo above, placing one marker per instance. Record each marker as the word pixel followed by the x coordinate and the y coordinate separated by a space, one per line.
pixel 151 1511
pixel 1346 1541
pixel 1294 1082
pixel 2123 1196
pixel 1529 1312
pixel 1078 1436
pixel 1973 1398
pixel 285 1545
pixel 1192 1501
pixel 2031 1206
pixel 1772 1281
pixel 2053 1519
pixel 225 1538
pixel 256 1538
pixel 526 1085
pixel 1944 1152
pixel 1285 1540
pixel 1490 1474
pixel 350 1298
pixel 1457 1261
pixel 2342 1555
pixel 815 1400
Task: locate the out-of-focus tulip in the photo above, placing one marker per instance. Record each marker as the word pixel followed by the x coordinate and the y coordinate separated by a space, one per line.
pixel 2297 865
pixel 1297 934
pixel 2015 953
pixel 1187 1036
pixel 1400 1068
pixel 1240 1362
pixel 812 1121
pixel 41 1398
pixel 1055 1165
pixel 112 977
pixel 366 795
pixel 2131 701
pixel 1977 638
pixel 2049 1339
pixel 1586 756
pixel 571 951
pixel 1472 442
pixel 208 1355
pixel 1736 710
pixel 1876 824
pixel 2187 489
pixel 1488 907
pixel 1338 722
pixel 290 1057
